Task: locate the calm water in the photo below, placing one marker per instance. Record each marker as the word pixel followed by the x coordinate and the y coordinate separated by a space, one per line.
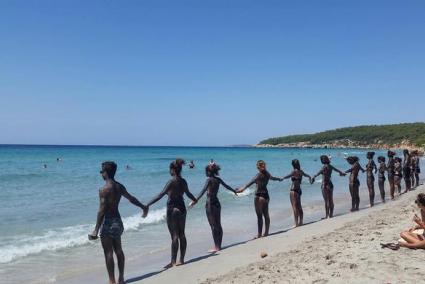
pixel 46 213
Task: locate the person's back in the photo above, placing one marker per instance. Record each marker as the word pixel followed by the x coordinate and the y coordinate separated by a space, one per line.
pixel 214 185
pixel 109 220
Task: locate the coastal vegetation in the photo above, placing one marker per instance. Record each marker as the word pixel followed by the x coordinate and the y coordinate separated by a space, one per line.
pixel 391 135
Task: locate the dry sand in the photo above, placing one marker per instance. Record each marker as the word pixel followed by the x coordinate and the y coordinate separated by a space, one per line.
pixel 345 248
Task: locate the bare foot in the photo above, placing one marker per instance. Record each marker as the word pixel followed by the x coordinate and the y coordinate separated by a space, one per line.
pixel 213 250
pixel 265 235
pixel 121 280
pixel 181 262
pixel 169 265
pixel 256 237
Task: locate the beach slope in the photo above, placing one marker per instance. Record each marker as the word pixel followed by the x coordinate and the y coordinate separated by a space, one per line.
pixel 343 249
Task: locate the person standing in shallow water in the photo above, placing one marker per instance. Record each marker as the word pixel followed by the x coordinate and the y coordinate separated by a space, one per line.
pixel 295 192
pixel 381 177
pixel 327 185
pixel 354 184
pixel 415 166
pixel 110 219
pixel 406 170
pixel 398 174
pixel 390 172
pixel 261 200
pixel 370 178
pixel 212 205
pixel 176 211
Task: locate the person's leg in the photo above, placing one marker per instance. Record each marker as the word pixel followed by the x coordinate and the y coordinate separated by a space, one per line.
pixel 353 197
pixel 417 178
pixel 215 224
pixel 331 201
pixel 181 216
pixel 109 257
pixel 410 237
pixel 392 186
pixel 266 215
pixel 120 258
pixel 381 184
pixel 172 228
pixel 299 209
pixel 326 199
pixel 294 206
pixel 371 187
pixel 356 191
pixel 259 212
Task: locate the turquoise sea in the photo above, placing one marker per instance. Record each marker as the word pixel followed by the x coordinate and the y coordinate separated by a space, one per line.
pixel 46 213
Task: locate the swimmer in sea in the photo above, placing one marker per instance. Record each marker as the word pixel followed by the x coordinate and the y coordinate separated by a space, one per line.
pixel 212 205
pixel 191 164
pixel 390 172
pixel 261 200
pixel 406 170
pixel 295 193
pixel 176 211
pixel 381 177
pixel 109 220
pixel 327 185
pixel 354 181
pixel 370 178
pixel 398 174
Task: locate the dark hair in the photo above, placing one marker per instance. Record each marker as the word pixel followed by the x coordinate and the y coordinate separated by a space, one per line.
pixel 381 159
pixel 352 159
pixel 325 159
pixel 420 199
pixel 212 170
pixel 390 153
pixel 177 166
pixel 261 163
pixel 110 168
pixel 405 151
pixel 370 155
pixel 296 164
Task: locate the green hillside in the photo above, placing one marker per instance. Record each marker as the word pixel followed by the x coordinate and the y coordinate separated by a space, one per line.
pixel 390 134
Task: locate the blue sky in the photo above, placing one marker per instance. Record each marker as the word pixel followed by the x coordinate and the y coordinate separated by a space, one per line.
pixel 205 72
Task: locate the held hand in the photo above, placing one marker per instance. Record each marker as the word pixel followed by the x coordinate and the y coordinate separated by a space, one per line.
pixel 281 179
pixel 343 174
pixel 235 192
pixel 145 211
pixel 312 180
pixel 191 204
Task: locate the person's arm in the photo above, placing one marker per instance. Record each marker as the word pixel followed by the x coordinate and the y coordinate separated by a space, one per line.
pixel 207 183
pixel 100 212
pixel 306 175
pixel 341 173
pixel 188 193
pixel 288 176
pixel 134 200
pixel 275 178
pixel 361 168
pixel 242 189
pixel 228 187
pixel 416 245
pixel 349 170
pixel 375 167
pixel 420 222
pixel 318 174
pixel 160 195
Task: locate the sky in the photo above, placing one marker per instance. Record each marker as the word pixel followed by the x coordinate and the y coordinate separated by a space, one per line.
pixel 205 73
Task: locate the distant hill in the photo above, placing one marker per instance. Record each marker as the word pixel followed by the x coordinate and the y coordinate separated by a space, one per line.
pixel 391 135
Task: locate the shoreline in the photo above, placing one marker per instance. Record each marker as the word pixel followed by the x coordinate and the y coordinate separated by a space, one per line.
pixel 331 250
pixel 240 262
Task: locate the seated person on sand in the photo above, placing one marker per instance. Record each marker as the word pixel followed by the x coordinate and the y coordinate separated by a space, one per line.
pixel 414 238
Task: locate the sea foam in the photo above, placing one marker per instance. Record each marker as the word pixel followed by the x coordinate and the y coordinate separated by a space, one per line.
pixel 67 237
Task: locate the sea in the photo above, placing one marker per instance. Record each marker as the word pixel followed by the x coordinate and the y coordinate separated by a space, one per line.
pixel 49 201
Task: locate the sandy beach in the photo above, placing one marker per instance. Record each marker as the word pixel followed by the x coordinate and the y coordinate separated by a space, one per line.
pixel 343 249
